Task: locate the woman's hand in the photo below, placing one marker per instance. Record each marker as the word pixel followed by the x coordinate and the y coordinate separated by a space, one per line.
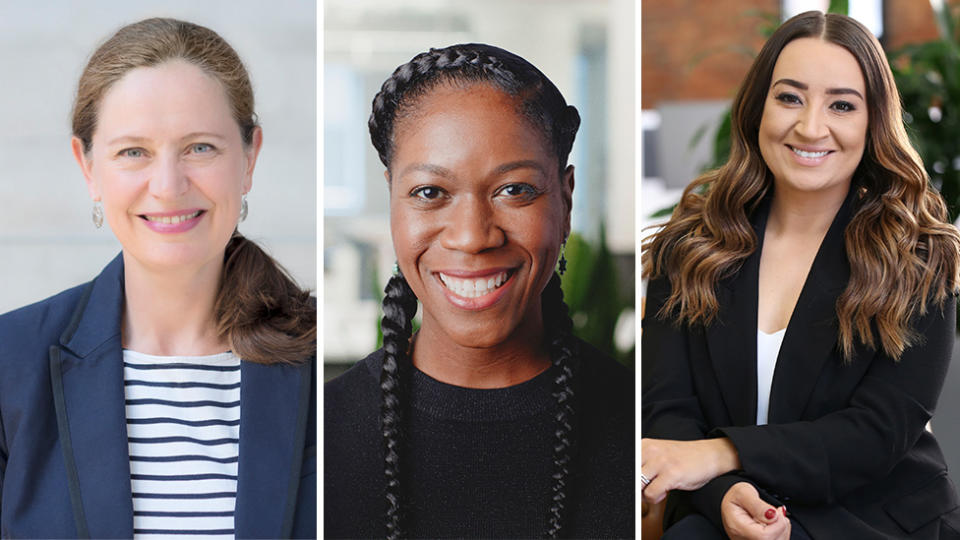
pixel 685 465
pixel 745 515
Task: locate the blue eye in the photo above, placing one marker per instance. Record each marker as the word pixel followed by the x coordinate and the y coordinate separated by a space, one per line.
pixel 427 192
pixel 201 148
pixel 131 152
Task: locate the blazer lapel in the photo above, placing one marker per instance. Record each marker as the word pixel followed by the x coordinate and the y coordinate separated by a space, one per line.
pixel 86 372
pixel 732 338
pixel 274 408
pixel 811 334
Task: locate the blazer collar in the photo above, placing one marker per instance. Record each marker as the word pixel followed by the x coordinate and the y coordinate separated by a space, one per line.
pixel 97 318
pixel 810 336
pixel 87 377
pixel 86 372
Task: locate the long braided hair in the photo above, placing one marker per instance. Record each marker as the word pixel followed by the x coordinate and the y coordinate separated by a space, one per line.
pixel 545 107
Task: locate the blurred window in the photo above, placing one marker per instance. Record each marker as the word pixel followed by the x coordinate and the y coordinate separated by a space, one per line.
pixel 344 141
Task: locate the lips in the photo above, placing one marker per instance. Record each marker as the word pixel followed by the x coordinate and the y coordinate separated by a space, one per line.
pixel 474 287
pixel 809 153
pixel 475 290
pixel 174 219
pixel 177 221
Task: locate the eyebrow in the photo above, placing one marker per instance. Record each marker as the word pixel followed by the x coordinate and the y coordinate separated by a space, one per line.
pixel 435 170
pixel 447 173
pixel 140 140
pixel 830 91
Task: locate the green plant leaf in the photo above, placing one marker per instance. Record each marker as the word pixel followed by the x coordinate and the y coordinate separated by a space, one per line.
pixel 839 6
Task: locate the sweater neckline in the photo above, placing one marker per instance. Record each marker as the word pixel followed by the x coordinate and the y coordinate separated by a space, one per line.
pixel 451 402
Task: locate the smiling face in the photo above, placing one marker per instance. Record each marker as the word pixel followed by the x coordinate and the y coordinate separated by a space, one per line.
pixel 169 165
pixel 478 211
pixel 813 130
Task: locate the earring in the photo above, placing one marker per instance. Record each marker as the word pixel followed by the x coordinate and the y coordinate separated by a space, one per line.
pixel 396 268
pixel 562 263
pixel 243 207
pixel 97 214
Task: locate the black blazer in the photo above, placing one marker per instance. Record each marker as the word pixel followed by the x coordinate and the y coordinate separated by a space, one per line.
pixel 846 449
pixel 64 461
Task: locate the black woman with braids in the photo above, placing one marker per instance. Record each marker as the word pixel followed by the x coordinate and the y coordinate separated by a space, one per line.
pixel 801 312
pixel 493 420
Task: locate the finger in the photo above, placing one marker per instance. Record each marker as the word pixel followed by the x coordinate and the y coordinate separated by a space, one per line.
pixel 759 510
pixel 656 490
pixel 787 528
pixel 780 530
pixel 742 525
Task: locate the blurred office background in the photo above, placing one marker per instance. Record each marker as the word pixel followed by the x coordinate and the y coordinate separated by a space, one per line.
pixel 695 55
pixel 47 240
pixel 585 47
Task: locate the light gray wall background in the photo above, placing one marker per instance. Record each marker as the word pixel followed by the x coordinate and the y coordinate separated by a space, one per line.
pixel 47 239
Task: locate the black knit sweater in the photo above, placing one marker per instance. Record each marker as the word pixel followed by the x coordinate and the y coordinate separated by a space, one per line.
pixel 478 463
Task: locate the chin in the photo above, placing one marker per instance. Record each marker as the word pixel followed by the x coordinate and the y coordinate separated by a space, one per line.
pixel 172 256
pixel 478 338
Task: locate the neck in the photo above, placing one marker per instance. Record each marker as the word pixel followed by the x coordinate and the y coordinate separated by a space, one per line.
pixel 803 213
pixel 171 313
pixel 519 358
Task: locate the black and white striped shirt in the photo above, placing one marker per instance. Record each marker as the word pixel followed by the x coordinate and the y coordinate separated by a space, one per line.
pixel 183 429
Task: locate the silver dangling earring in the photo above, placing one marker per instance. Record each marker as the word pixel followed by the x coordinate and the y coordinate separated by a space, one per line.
pixel 243 207
pixel 97 214
pixel 562 263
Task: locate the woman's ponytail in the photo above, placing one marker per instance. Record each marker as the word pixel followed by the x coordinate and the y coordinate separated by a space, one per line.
pixel 264 315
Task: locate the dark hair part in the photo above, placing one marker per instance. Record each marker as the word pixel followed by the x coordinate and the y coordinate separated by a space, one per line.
pixel 539 100
pixel 543 105
pixel 263 314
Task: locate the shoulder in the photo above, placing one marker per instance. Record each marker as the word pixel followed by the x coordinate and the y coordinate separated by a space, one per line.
pixel 604 380
pixel 353 471
pixel 362 374
pixel 39 324
pixel 605 442
pixel 354 393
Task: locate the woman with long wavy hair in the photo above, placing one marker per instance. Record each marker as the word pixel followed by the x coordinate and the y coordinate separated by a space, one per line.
pixel 801 312
pixel 493 420
pixel 174 394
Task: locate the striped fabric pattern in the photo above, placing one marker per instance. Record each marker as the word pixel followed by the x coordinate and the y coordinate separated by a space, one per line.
pixel 183 429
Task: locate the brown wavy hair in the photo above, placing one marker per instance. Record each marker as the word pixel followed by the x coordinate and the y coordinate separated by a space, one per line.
pixel 262 313
pixel 903 253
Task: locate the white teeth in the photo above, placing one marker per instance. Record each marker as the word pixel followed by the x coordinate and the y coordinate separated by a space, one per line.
pixel 808 155
pixel 172 220
pixel 473 288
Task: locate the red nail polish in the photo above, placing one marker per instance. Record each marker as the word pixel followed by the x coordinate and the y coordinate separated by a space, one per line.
pixel 784 510
pixel 770 513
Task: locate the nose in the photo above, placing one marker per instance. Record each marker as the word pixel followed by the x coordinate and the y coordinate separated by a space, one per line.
pixel 472 227
pixel 167 178
pixel 812 123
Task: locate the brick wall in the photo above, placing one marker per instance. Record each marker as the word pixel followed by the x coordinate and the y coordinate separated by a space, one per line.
pixel 698 50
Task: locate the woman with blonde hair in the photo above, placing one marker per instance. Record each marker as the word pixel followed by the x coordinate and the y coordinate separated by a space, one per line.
pixel 801 312
pixel 175 393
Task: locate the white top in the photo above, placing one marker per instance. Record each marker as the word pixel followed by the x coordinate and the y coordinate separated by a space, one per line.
pixel 768 348
pixel 183 430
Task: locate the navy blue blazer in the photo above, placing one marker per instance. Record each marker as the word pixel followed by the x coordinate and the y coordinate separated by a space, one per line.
pixel 845 448
pixel 64 461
